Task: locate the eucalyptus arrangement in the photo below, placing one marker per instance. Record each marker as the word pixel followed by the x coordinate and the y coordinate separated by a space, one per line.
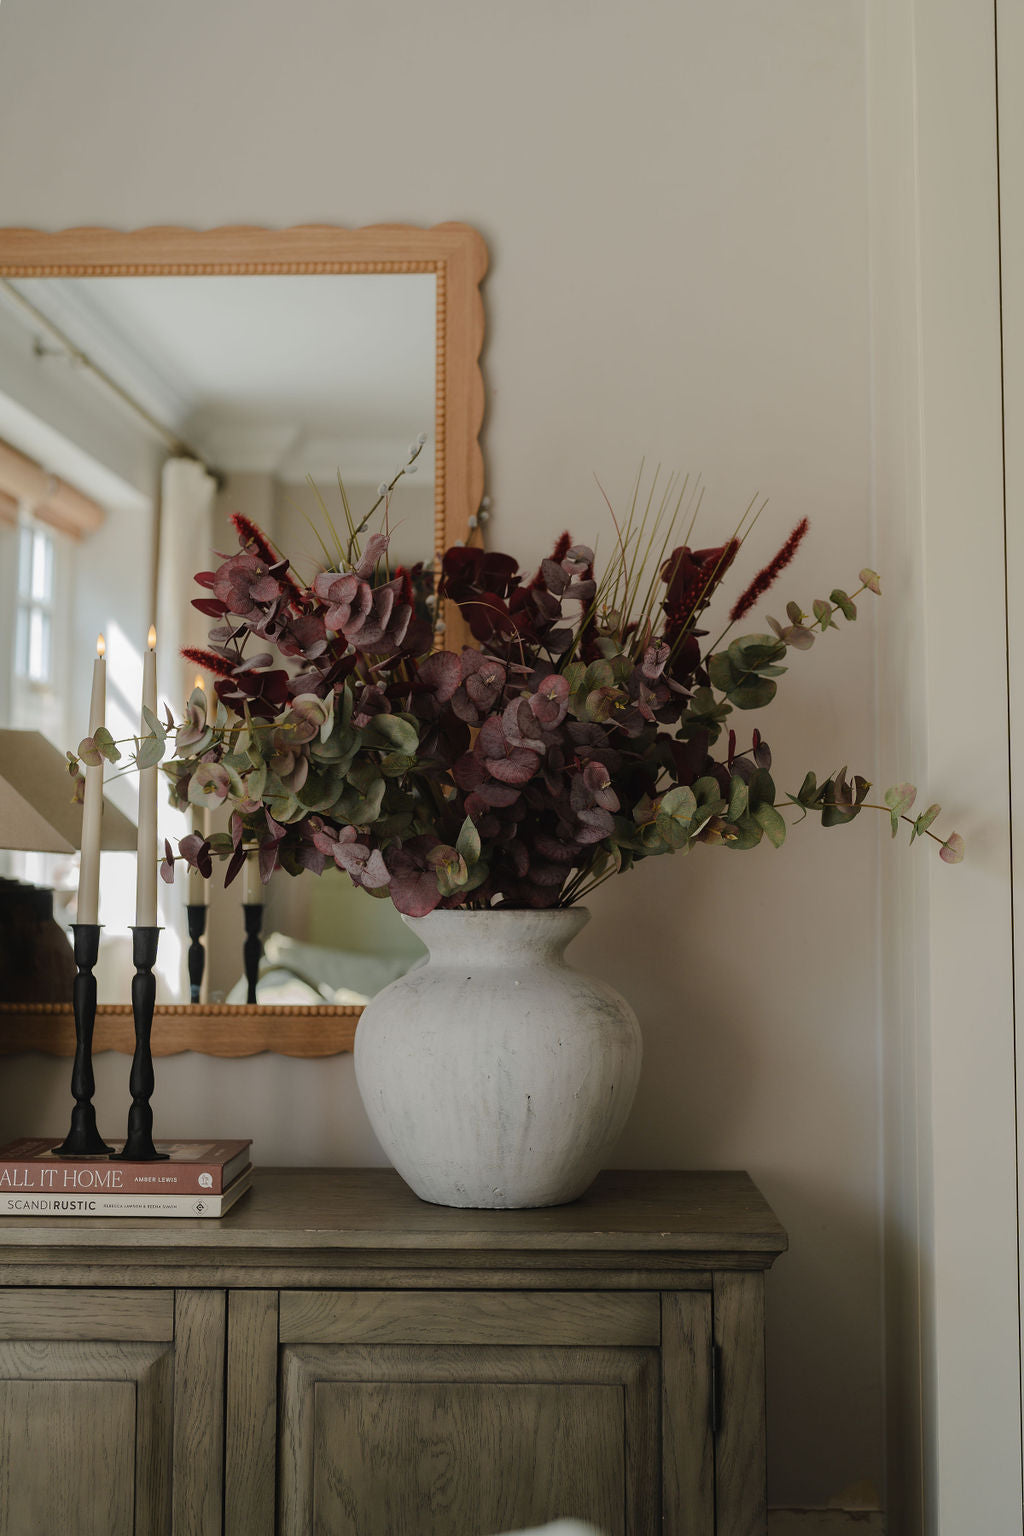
pixel 589 730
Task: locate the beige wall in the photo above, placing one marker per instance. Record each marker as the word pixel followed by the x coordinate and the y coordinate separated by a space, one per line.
pixel 675 200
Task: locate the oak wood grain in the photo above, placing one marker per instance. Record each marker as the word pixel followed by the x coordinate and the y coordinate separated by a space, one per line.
pixel 67 1457
pixel 381 1375
pixel 251 1426
pixel 740 1449
pixel 494 1317
pixel 641 1414
pixel 688 1467
pixel 94 1389
pixel 199 1344
pixel 52 1313
pixel 76 1360
pixel 315 1270
pixel 667 1213
pixel 154 1443
pixel 440 1458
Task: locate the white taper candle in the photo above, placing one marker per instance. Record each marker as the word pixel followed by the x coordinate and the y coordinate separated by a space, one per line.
pixel 146 864
pixel 254 892
pixel 92 811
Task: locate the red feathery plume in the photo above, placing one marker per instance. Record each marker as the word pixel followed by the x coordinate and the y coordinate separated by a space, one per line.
pixel 218 665
pixel 255 542
pixel 764 579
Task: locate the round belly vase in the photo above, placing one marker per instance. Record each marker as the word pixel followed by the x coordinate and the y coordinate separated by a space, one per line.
pixel 493 1074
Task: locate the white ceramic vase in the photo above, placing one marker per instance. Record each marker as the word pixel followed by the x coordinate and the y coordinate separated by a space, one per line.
pixel 493 1074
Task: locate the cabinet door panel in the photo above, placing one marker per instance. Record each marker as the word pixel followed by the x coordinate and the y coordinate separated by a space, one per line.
pixel 101 1434
pixel 66 1454
pixel 389 1440
pixel 410 1457
pixel 85 1438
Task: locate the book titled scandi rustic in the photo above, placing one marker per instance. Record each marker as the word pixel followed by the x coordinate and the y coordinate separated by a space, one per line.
pixel 36 1203
pixel 192 1168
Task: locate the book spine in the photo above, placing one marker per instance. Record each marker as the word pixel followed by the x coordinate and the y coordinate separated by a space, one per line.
pixel 104 1179
pixel 34 1204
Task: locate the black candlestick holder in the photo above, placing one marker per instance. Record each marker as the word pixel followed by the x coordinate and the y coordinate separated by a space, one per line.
pixel 252 950
pixel 196 915
pixel 83 1139
pixel 139 1146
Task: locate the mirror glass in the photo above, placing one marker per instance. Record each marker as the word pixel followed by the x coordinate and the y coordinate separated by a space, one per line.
pixel 266 380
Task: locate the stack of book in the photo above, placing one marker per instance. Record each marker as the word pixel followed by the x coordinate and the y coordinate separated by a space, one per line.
pixel 199 1178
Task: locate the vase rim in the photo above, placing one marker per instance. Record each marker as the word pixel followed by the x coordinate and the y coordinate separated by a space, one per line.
pixel 523 915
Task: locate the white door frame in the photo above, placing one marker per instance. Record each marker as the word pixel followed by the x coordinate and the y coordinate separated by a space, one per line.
pixel 950 1209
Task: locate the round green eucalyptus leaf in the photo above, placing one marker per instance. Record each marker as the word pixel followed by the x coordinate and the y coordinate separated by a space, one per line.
pixel 754 695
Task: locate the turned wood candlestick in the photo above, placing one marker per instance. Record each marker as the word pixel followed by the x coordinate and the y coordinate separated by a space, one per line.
pixel 83 1139
pixel 139 1146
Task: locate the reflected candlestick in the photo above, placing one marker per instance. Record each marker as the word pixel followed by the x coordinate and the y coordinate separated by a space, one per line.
pixel 196 915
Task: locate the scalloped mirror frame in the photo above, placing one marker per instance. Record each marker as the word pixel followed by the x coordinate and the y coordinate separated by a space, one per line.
pixel 457 255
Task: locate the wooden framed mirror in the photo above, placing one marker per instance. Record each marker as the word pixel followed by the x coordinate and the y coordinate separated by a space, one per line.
pixel 61 288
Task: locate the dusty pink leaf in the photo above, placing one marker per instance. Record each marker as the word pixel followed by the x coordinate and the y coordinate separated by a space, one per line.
pixel 952 850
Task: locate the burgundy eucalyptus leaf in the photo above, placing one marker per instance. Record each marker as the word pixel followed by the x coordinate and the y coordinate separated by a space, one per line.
pixel 189 848
pixel 442 674
pixel 236 864
pixel 304 636
pixel 518 766
pixel 244 583
pixel 556 579
pixel 376 549
pixel 550 703
pixel 415 894
pixel 497 796
pixel 655 659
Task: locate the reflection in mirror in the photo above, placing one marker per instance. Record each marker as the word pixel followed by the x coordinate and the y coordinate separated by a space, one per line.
pixel 261 381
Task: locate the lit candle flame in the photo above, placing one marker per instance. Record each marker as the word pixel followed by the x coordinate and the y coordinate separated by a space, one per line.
pixel 199 684
pixel 101 646
pixel 151 638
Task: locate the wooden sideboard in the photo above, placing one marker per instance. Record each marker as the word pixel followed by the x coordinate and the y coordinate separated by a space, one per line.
pixel 334 1356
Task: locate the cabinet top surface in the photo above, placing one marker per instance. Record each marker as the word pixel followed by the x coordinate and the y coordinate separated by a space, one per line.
pixel 371 1208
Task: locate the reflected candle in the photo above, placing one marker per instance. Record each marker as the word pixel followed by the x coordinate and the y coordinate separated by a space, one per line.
pixel 92 810
pixel 253 884
pixel 197 895
pixel 146 863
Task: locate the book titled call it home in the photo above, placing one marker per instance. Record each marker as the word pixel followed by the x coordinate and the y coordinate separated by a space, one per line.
pixel 199 1168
